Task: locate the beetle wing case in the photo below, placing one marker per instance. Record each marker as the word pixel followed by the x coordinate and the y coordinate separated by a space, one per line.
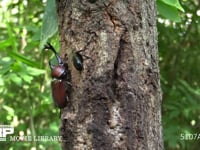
pixel 59 93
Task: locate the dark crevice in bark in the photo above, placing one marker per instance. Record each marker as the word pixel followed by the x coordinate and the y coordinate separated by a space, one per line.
pixel 117 60
pixel 117 63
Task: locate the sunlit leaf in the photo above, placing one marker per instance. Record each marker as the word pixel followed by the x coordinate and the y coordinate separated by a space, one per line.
pixel 15 78
pixel 35 71
pixel 5 64
pixel 174 3
pixel 12 36
pixel 9 110
pixel 27 78
pixel 4 44
pixel 168 11
pixel 50 23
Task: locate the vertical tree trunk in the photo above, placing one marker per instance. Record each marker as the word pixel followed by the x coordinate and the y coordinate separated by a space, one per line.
pixel 116 100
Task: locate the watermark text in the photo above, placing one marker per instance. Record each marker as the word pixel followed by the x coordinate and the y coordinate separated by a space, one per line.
pixel 190 136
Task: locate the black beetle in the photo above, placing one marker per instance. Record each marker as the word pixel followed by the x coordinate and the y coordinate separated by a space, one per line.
pixel 77 60
pixel 61 77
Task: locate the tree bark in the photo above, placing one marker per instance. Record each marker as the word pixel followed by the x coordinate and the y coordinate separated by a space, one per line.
pixel 116 100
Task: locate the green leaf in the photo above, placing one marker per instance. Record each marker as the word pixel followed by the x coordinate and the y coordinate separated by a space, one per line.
pixel 27 78
pixel 168 11
pixel 34 71
pixel 5 43
pixel 9 110
pixel 23 59
pixel 50 24
pixel 174 3
pixel 5 64
pixel 12 36
pixel 189 88
pixel 16 79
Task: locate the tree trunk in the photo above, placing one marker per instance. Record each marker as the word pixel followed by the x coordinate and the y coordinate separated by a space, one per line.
pixel 115 102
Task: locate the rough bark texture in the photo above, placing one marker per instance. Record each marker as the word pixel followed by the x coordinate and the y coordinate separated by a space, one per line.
pixel 116 99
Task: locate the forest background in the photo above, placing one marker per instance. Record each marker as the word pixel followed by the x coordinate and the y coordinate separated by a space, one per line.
pixel 25 98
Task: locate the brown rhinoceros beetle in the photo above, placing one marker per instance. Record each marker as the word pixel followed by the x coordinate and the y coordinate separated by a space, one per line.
pixel 61 77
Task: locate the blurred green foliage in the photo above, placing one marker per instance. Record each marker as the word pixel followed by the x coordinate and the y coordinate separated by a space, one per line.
pixel 179 50
pixel 26 101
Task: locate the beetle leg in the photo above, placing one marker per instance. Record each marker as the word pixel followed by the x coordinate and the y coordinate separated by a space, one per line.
pixel 69 83
pixel 87 57
pixel 78 52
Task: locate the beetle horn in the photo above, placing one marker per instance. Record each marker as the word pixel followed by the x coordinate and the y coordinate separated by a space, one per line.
pixel 49 46
pixel 51 66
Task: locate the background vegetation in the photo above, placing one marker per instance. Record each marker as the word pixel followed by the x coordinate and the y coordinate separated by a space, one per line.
pixel 25 98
